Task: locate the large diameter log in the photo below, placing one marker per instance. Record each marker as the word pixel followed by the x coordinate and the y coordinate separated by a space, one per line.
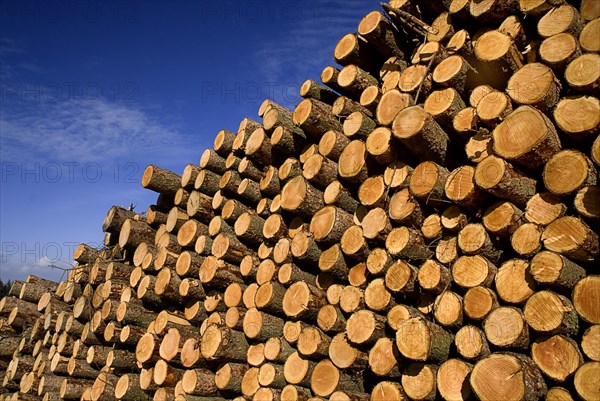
pixel 161 180
pixel 507 376
pixel 527 137
pixel 505 327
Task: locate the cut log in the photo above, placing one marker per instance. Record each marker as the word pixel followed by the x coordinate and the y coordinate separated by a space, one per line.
pixel 571 237
pixel 161 180
pixel 420 340
pixel 392 102
pixel 515 377
pixel 315 118
pixel 418 131
pixel 586 380
pixel 478 302
pixel 505 327
pixel 582 73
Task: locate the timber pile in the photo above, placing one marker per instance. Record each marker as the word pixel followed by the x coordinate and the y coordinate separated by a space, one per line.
pixel 423 226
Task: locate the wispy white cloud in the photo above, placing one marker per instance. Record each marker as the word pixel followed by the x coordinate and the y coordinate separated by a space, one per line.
pixel 82 130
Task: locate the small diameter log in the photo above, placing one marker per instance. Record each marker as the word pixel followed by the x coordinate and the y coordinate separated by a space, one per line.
pixel 315 118
pixel 474 239
pixel 448 309
pixel 461 189
pixel 404 209
pixel 326 378
pixel 453 379
pixel 514 283
pixel 352 49
pixel 544 208
pixel 299 196
pixel 332 143
pixel 314 90
pixel 505 327
pixel 199 382
pixel 128 387
pixel 354 244
pixel 388 390
pixel 188 177
pixel 453 71
pixel 298 370
pixel 434 277
pixel 189 232
pixel 527 137
pixel 115 217
pixel 418 131
pixel 589 343
pixel 248 227
pixel 571 237
pixel 507 376
pixel 420 340
pixel 535 85
pixel 586 380
pixel 471 343
pixel 478 302
pixel 419 381
pixel 473 271
pixel 217 273
pixel 501 179
pixel 222 342
pixel 320 170
pixel 365 327
pixel 427 182
pixel 261 326
pixel 415 78
pixel 353 80
pixel 160 180
pixel 559 50
pixel 352 165
pixel 443 105
pixel 329 224
pixel 564 18
pixel 498 51
pixel 303 301
pixel 210 160
pixel 331 320
pixel 526 240
pixel 134 232
pixel 392 102
pixel 568 171
pixel 313 343
pixel 553 269
pixel 381 34
pixel 336 194
pixel 383 359
pixel 407 243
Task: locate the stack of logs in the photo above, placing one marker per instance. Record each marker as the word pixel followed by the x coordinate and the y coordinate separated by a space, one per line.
pixel 423 226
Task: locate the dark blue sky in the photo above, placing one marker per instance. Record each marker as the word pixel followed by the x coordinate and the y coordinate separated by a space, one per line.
pixel 91 92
